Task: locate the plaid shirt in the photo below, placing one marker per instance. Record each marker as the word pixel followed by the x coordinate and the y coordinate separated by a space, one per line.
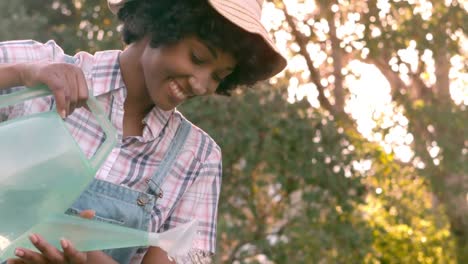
pixel 190 191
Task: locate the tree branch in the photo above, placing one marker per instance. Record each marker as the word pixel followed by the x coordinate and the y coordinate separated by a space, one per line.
pixel 442 69
pixel 337 55
pixel 421 89
pixel 314 74
pixel 396 83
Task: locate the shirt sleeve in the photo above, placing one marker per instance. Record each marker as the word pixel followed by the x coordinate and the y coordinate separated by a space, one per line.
pixel 200 202
pixel 19 51
pixel 30 50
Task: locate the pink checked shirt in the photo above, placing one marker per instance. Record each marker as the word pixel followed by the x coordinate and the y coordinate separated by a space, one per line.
pixel 190 191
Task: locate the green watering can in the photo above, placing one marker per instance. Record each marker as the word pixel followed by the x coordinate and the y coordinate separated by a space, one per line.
pixel 42 168
pixel 90 235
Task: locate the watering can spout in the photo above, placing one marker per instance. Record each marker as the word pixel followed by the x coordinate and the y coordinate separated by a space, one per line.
pixel 90 235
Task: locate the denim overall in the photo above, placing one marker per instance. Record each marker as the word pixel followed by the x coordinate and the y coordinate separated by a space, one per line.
pixel 123 206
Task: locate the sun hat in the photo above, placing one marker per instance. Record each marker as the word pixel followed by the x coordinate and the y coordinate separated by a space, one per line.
pixel 246 14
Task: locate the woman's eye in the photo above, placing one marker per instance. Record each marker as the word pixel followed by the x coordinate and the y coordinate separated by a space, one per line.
pixel 196 59
pixel 217 78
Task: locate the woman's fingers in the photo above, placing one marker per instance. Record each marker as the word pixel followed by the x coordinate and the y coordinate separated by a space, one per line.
pixel 60 99
pixel 49 252
pixel 67 83
pixel 71 254
pixel 29 257
pixel 67 92
pixel 82 89
pixel 15 261
pixel 74 90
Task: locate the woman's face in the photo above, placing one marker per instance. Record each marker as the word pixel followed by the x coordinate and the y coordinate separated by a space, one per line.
pixel 176 72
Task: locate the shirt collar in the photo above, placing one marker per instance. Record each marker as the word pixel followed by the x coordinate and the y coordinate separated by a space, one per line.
pixel 107 77
pixel 155 123
pixel 106 73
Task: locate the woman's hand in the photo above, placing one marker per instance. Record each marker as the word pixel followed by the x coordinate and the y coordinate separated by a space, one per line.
pixel 50 254
pixel 66 82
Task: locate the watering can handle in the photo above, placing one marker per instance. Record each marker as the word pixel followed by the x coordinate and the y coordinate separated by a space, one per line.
pixel 94 106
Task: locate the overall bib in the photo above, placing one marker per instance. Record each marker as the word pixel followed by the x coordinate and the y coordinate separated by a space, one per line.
pixel 123 206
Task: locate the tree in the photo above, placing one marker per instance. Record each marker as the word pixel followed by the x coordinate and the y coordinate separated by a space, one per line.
pixel 382 31
pixel 301 182
pixel 15 15
pixel 288 182
pixel 74 24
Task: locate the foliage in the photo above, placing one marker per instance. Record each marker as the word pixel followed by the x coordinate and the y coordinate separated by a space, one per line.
pixel 440 144
pixel 301 184
pixel 288 187
pixel 15 15
pixel 407 228
pixel 413 44
pixel 74 24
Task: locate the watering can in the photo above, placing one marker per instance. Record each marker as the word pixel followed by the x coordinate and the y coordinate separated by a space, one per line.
pixel 42 168
pixel 90 235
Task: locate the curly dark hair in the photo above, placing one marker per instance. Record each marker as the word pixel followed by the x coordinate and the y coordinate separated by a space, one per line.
pixel 168 21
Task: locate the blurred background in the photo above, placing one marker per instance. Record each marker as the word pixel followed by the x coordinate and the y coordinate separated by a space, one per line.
pixel 356 153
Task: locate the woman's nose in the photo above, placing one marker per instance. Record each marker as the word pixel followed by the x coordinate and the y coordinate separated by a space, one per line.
pixel 200 83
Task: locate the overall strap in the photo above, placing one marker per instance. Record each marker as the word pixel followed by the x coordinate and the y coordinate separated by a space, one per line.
pixel 171 154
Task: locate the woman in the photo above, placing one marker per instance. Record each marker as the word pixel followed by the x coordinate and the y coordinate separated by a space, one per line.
pixel 177 50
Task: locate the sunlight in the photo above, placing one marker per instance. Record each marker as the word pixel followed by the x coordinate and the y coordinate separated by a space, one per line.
pixel 4 242
pixel 459 80
pixel 369 101
pixel 424 8
pixel 371 106
pixel 369 96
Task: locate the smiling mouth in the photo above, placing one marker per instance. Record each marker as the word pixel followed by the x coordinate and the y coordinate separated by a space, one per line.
pixel 177 90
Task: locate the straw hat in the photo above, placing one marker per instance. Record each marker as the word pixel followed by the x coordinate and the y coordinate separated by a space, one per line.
pixel 243 13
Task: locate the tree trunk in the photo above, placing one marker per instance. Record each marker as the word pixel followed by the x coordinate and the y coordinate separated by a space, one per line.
pixel 450 188
pixel 337 55
pixel 442 69
pixel 454 198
